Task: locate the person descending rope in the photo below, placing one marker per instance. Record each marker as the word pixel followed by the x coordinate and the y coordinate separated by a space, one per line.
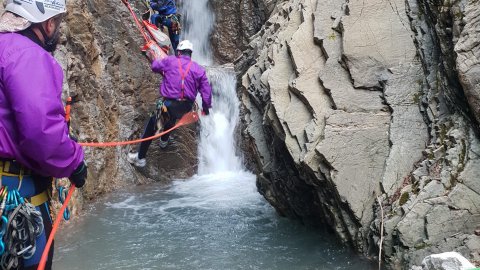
pixel 34 139
pixel 183 79
pixel 167 16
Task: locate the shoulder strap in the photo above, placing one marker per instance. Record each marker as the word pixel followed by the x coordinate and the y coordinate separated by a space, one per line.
pixel 183 75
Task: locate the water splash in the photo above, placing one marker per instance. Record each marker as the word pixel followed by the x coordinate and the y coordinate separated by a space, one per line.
pixel 217 151
pixel 217 148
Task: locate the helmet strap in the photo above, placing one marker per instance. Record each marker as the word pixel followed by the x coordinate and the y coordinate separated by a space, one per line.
pixel 50 44
pixel 185 52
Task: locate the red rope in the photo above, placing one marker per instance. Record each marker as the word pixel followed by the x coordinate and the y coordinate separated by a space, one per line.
pixel 43 261
pixel 140 27
pixel 188 118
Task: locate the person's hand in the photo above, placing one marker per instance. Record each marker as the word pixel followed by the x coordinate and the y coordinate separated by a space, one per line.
pixel 79 176
pixel 205 111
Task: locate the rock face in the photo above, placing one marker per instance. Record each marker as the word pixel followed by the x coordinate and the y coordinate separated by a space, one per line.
pixel 445 261
pixel 467 48
pixel 349 101
pixel 235 22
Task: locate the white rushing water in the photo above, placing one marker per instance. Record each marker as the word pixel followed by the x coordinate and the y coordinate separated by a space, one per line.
pixel 197 21
pixel 217 146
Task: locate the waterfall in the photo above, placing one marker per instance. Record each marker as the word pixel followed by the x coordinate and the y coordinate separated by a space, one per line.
pixel 197 22
pixel 217 151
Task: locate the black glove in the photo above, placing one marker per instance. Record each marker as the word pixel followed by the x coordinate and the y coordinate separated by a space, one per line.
pixel 205 111
pixel 79 176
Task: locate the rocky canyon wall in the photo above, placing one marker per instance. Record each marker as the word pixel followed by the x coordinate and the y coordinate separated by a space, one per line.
pixel 235 22
pixel 351 102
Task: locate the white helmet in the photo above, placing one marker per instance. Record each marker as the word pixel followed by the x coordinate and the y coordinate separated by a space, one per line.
pixel 185 45
pixel 36 11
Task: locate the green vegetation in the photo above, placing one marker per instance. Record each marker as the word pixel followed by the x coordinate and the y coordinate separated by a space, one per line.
pixel 458 15
pixel 416 97
pixel 421 246
pixel 332 36
pixel 404 198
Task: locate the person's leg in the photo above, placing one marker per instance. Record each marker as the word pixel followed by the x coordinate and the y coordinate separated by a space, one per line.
pixel 174 38
pixel 176 110
pixel 149 131
pixel 168 125
pixel 155 18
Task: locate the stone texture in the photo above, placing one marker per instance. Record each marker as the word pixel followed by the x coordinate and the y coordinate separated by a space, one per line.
pixel 235 22
pixel 356 147
pixel 446 261
pixel 369 100
pixel 468 56
pixel 411 229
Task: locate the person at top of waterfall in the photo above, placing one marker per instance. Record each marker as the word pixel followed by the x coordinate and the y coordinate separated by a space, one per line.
pixel 183 79
pixel 34 139
pixel 167 16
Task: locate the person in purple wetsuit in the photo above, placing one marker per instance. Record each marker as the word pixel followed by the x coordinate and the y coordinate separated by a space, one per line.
pixel 34 138
pixel 183 79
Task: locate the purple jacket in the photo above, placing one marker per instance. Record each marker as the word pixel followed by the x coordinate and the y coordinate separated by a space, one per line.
pixel 33 130
pixel 196 79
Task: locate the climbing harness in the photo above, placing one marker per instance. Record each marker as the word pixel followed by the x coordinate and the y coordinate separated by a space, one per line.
pixel 183 76
pixel 20 222
pixel 161 114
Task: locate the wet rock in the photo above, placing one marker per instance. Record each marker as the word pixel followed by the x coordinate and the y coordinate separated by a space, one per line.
pixel 468 55
pixel 387 115
pixel 446 261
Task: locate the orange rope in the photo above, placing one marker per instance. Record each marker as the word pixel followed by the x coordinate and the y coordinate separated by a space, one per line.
pixel 187 119
pixel 43 260
pixel 147 39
